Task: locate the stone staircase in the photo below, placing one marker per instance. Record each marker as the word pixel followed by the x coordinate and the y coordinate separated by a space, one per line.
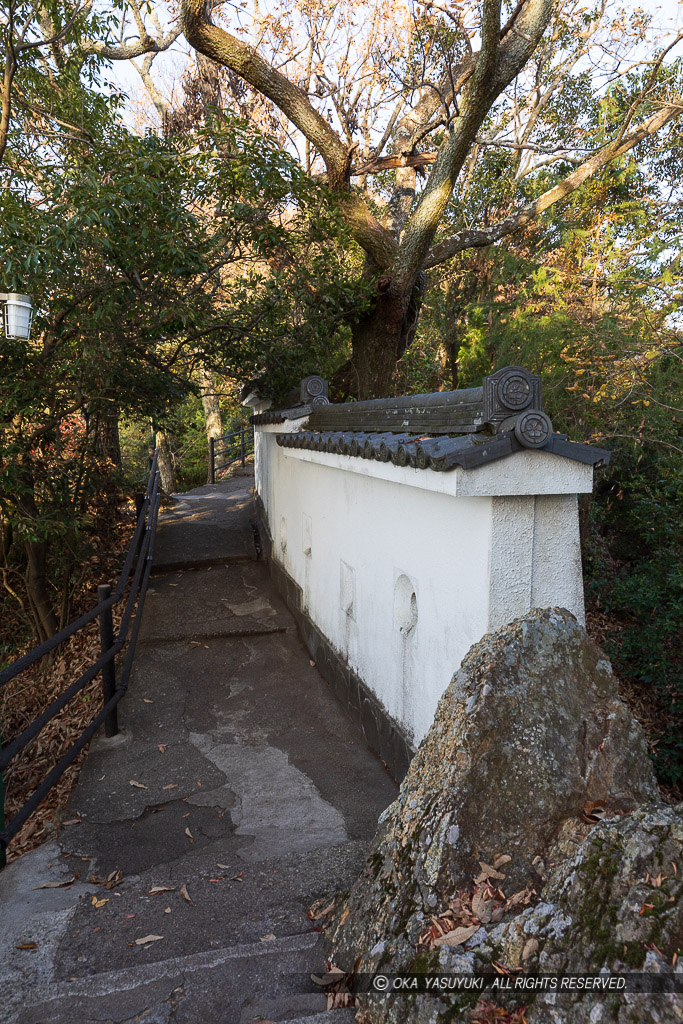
pixel 237 794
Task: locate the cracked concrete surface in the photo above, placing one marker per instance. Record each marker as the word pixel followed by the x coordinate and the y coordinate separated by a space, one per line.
pixel 255 793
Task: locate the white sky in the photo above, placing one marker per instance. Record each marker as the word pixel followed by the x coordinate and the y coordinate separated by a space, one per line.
pixel 169 66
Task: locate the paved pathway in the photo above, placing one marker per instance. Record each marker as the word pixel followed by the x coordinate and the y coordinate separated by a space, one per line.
pixel 252 790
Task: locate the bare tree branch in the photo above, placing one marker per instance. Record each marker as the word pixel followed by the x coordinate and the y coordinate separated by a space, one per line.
pixel 480 237
pixel 221 46
pixel 128 51
pixel 497 65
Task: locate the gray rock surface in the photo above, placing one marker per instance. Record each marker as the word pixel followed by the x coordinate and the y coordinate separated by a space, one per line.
pixel 529 738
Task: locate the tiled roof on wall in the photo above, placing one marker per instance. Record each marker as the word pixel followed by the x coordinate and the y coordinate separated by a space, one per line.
pixel 437 453
pixel 436 431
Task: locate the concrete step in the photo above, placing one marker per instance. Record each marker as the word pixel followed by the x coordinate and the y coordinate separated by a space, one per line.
pixel 206 527
pixel 237 794
pixel 328 1017
pixel 213 603
pixel 235 985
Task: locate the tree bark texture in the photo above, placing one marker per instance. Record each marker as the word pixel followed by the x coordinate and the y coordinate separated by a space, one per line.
pixel 107 441
pixel 39 597
pixel 167 477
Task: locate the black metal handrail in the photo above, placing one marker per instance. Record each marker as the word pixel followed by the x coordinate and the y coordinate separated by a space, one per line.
pixel 140 553
pixel 241 446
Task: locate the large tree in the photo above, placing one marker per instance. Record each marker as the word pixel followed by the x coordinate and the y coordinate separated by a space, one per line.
pixel 450 104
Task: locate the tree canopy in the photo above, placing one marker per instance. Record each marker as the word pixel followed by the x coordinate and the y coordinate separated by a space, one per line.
pixel 463 82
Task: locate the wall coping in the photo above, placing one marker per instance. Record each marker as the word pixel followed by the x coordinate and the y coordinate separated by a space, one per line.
pixel 521 473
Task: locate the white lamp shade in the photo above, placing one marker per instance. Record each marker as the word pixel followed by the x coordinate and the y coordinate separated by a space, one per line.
pixel 18 316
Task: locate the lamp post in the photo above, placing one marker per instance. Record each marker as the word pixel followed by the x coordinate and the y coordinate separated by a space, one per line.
pixel 17 315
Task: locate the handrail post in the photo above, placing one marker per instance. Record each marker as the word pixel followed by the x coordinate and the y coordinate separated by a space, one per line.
pixel 212 471
pixel 139 502
pixel 111 724
pixel 242 446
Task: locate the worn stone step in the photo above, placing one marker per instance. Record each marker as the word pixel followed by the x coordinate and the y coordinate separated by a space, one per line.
pixel 328 1017
pixel 233 985
pixel 205 604
pixel 209 526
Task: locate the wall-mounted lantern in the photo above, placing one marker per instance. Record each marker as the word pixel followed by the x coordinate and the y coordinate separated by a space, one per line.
pixel 17 315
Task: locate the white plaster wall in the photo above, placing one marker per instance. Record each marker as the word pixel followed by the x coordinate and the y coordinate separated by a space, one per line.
pixel 402 570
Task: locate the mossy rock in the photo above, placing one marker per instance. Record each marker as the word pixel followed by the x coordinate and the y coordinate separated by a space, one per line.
pixel 529 734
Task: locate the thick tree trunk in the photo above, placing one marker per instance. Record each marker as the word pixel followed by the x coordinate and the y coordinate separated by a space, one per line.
pixel 37 589
pixel 379 340
pixel 169 484
pixel 107 442
pixel 212 409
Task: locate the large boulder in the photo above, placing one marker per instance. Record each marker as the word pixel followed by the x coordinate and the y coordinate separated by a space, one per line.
pixel 529 748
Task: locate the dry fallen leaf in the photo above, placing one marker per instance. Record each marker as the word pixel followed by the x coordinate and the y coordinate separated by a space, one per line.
pixel 189 835
pixel 267 938
pixel 316 914
pixel 530 947
pixel 138 785
pixel 457 936
pixel 185 894
pixel 148 938
pixel 161 888
pixel 594 811
pixel 167 910
pixel 27 945
pixel 517 898
pixel 72 821
pixel 163 747
pixel 113 879
pixel 55 885
pixel 481 908
pixel 146 701
pixel 171 785
pixel 501 859
pixel 490 872
pixel 99 903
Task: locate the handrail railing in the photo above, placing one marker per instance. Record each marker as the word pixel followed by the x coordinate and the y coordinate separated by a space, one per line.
pixel 242 446
pixel 140 553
